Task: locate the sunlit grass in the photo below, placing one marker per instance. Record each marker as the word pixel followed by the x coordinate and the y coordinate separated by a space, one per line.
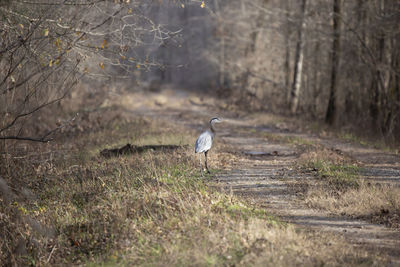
pixel 338 176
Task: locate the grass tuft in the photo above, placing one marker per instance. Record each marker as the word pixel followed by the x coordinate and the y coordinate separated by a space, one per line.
pixel 338 177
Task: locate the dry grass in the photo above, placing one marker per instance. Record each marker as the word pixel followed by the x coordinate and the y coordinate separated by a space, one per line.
pixel 380 204
pixel 339 189
pixel 71 206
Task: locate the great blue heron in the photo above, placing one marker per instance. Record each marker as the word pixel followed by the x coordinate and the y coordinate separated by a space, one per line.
pixel 205 140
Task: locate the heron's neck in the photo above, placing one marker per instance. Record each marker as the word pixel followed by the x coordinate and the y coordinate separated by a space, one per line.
pixel 212 128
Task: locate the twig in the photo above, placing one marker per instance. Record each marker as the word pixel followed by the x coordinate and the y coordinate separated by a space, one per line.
pixel 25 138
pixel 51 253
pixel 42 139
pixel 30 112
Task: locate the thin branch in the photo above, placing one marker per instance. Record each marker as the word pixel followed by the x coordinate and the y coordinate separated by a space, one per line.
pixel 24 138
pixel 21 41
pixel 42 139
pixel 31 112
pixel 61 3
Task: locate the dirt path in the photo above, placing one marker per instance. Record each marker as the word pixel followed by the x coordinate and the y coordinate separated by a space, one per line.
pixel 267 176
pixel 265 172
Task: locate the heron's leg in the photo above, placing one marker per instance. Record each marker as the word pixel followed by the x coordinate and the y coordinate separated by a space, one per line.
pixel 201 167
pixel 205 153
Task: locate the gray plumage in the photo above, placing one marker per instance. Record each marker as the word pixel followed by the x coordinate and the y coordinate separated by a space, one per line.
pixel 205 140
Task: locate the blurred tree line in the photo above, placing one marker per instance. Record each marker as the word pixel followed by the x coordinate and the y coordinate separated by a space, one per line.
pixel 334 60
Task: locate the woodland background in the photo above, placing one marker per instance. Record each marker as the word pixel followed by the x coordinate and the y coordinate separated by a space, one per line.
pixel 335 61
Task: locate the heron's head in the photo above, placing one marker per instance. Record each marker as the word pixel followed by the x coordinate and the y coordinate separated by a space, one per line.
pixel 215 120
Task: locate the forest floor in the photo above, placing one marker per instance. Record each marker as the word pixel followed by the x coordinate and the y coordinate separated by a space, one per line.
pixel 281 192
pixel 309 178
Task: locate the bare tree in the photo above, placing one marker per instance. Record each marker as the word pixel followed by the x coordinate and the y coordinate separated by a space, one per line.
pixel 298 64
pixel 286 8
pixel 47 46
pixel 335 57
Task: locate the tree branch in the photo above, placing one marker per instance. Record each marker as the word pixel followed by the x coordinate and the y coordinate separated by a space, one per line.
pixel 42 139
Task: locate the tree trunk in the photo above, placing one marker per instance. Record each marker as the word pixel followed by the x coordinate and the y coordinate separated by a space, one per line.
pixel 330 117
pixel 286 8
pixel 298 67
pixel 316 79
pixel 387 58
pixel 221 78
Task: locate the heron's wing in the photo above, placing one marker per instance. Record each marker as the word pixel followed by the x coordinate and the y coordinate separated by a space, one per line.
pixel 204 142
